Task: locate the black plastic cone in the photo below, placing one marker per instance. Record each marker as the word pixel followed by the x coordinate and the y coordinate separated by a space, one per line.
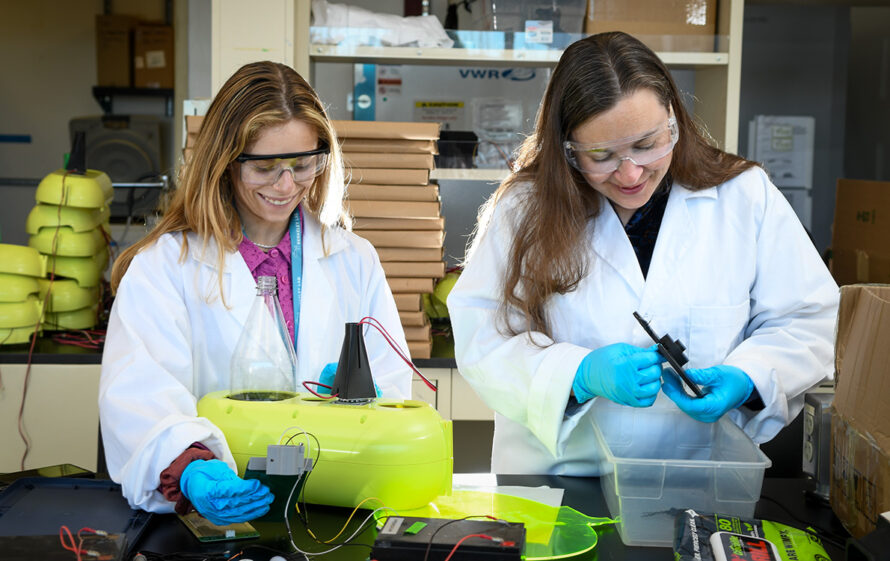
pixel 77 159
pixel 353 380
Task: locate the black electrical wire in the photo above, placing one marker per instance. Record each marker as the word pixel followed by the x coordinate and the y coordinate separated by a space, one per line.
pixel 815 531
pixel 429 544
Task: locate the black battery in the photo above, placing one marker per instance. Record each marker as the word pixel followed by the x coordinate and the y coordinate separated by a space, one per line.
pixel 412 538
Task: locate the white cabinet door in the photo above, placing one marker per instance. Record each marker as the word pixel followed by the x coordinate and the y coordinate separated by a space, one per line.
pixel 466 405
pixel 441 398
pixel 60 417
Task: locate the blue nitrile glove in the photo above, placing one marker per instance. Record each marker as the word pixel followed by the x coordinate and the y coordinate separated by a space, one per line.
pixel 329 372
pixel 725 388
pixel 623 373
pixel 222 497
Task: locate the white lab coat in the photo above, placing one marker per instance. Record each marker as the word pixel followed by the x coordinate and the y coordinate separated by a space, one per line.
pixel 734 276
pixel 167 346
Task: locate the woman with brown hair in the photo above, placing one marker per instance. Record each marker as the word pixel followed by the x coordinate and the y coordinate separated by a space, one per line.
pixel 262 195
pixel 618 203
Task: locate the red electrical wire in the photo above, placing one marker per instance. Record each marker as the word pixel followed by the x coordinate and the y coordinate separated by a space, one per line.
pixel 368 320
pixel 306 385
pixel 63 532
pixel 465 538
pixel 49 287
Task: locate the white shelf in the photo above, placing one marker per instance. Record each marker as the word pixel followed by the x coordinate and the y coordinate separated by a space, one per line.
pixel 491 175
pixel 414 55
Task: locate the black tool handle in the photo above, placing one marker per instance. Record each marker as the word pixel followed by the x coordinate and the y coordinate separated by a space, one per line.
pixel 672 351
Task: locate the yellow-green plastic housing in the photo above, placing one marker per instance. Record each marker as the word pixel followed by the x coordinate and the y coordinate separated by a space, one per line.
pixel 93 189
pixel 397 451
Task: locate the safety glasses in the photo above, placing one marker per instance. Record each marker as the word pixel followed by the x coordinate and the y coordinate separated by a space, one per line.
pixel 605 157
pixel 266 169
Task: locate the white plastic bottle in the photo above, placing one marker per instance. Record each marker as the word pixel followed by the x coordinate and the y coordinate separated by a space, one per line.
pixel 264 364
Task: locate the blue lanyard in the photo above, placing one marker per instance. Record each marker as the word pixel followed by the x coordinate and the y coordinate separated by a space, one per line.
pixel 296 265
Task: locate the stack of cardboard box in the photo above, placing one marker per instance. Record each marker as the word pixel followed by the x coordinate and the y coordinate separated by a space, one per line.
pixel 395 207
pixel 398 210
pixel 133 53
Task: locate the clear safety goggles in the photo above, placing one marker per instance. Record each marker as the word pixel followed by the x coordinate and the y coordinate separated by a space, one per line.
pixel 606 157
pixel 266 169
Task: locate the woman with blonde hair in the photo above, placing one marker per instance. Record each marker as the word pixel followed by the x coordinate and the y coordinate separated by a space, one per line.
pixel 262 195
pixel 619 204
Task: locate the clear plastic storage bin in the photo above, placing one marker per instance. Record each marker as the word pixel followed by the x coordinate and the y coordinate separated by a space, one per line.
pixel 659 461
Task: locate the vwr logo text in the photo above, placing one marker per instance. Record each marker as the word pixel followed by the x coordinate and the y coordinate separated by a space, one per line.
pixel 514 74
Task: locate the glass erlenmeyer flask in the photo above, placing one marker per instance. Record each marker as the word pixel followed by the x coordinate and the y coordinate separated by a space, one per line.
pixel 264 364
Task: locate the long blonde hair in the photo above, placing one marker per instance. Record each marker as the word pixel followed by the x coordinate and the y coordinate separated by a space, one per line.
pixel 256 96
pixel 548 254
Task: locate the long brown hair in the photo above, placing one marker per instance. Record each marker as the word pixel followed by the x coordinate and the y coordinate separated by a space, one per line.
pixel 256 96
pixel 547 256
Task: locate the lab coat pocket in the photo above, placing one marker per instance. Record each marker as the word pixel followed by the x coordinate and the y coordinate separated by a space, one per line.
pixel 714 331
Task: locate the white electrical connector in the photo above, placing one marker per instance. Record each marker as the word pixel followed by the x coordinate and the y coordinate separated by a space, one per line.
pixel 282 459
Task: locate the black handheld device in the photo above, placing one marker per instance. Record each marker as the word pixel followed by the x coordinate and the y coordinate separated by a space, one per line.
pixel 672 351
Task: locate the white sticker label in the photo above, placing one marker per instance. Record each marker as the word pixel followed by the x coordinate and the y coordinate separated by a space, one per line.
pixel 155 59
pixel 539 31
pixel 391 526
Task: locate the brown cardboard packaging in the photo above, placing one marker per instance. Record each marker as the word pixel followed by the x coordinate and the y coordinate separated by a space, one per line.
pixel 416 319
pixel 410 253
pixel 434 269
pixel 663 25
pixel 403 238
pixel 860 417
pixel 389 146
pixel 420 349
pixel 114 50
pixel 422 286
pixel 417 333
pixel 394 192
pixel 192 126
pixel 379 223
pixel 395 130
pixel 388 160
pixel 859 249
pixel 388 176
pixel 153 56
pixel 408 302
pixel 393 209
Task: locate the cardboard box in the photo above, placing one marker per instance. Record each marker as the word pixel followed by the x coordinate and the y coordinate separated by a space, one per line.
pixel 408 302
pixel 388 176
pixel 422 286
pixel 396 130
pixel 663 25
pixel 378 223
pixel 410 253
pixel 389 146
pixel 393 209
pixel 860 417
pixel 859 249
pixel 434 269
pixel 420 349
pixel 114 50
pixel 388 160
pixel 153 56
pixel 394 192
pixel 403 238
pixel 416 319
pixel 192 126
pixel 417 333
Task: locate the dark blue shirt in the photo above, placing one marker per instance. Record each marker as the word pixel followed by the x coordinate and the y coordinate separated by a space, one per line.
pixel 642 228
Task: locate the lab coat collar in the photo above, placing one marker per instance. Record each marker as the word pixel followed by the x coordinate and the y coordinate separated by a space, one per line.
pixel 611 244
pixel 314 244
